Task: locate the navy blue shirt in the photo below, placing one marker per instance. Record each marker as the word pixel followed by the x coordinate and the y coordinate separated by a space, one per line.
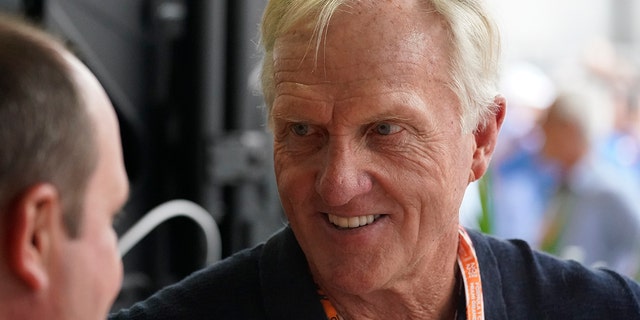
pixel 272 281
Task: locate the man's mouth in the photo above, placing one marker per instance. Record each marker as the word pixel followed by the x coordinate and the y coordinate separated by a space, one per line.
pixel 352 222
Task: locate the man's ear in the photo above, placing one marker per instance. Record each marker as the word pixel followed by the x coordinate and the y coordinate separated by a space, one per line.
pixel 33 218
pixel 486 138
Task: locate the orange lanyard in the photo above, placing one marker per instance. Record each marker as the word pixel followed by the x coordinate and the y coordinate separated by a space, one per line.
pixel 470 269
pixel 329 309
pixel 468 264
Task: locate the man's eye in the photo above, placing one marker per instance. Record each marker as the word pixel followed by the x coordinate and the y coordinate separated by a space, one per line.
pixel 386 128
pixel 300 129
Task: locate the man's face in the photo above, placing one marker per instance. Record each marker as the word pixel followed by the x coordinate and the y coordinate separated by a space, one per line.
pixel 90 269
pixel 370 161
pixel 564 142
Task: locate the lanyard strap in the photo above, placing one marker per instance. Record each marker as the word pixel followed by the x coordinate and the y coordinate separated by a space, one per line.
pixel 470 269
pixel 329 309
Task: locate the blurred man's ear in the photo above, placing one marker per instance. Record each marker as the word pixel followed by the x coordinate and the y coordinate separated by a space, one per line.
pixel 486 138
pixel 33 219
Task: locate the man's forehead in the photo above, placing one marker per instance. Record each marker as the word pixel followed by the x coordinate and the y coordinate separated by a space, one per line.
pixel 388 31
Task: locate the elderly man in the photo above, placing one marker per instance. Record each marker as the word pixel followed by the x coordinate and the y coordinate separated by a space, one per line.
pixel 62 180
pixel 382 113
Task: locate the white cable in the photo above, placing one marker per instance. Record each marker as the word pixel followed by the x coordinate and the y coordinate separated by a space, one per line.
pixel 166 211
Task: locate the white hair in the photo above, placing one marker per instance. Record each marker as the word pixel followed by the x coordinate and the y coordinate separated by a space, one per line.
pixel 474 35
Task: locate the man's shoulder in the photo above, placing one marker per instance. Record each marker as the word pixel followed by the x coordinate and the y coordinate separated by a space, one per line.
pixel 254 283
pixel 236 272
pixel 215 290
pixel 218 289
pixel 523 280
pixel 515 259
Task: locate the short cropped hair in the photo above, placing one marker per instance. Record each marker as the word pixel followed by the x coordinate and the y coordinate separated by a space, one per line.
pixel 46 133
pixel 474 35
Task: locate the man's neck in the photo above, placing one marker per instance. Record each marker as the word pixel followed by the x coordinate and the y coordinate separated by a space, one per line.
pixel 433 295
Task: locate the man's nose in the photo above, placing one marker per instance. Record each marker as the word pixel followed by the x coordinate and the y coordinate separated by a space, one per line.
pixel 342 176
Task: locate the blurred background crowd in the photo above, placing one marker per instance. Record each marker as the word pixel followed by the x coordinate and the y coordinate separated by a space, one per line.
pixel 566 174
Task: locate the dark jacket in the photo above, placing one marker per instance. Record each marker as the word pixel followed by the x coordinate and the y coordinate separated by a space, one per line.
pixel 272 281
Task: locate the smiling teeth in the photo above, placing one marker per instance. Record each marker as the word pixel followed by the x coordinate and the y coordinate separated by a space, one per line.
pixel 352 222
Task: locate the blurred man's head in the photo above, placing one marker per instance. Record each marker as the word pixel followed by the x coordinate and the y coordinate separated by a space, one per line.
pixel 62 180
pixel 576 120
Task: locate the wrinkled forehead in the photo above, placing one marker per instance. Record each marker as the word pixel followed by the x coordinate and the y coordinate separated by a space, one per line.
pixel 382 21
